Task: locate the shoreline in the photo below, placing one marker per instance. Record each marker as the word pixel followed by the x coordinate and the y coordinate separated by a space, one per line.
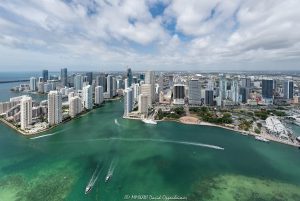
pixel 40 132
pixel 241 132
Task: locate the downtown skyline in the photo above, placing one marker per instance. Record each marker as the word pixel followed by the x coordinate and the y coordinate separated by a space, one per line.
pixel 151 34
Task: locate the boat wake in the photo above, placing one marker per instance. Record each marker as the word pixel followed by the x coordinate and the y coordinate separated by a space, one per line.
pixel 93 179
pixel 47 135
pixel 117 123
pixel 111 170
pixel 161 141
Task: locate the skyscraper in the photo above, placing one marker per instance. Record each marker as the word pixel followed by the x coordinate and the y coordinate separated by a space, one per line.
pixel 209 97
pixel 235 91
pixel 33 84
pixel 101 81
pixel 194 92
pixel 54 107
pixel 143 104
pixel 89 77
pixel 267 89
pixel 87 97
pixel 150 79
pixel 64 76
pixel 146 90
pixel 223 87
pixel 129 77
pixel 128 101
pixel 288 89
pixel 110 86
pixel 78 82
pixel 98 95
pixel 45 75
pixel 75 106
pixel 246 82
pixel 178 94
pixel 26 112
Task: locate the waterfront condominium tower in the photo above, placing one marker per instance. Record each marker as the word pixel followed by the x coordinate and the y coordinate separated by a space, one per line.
pixel 235 92
pixel 26 111
pixel 87 97
pixel 98 95
pixel 33 84
pixel 110 86
pixel 129 77
pixel 64 76
pixel 150 79
pixel 128 101
pixel 45 75
pixel 194 92
pixel 146 90
pixel 75 106
pixel 78 82
pixel 54 108
pixel 143 104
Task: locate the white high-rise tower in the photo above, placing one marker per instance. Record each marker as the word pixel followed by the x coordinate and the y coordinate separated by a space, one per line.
pixel 54 107
pixel 87 97
pixel 26 112
pixel 98 95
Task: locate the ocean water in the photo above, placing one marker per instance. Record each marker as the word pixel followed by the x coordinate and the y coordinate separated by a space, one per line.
pixel 149 161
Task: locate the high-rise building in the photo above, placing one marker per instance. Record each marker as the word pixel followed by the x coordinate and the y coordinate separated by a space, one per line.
pixel 45 75
pixel 246 82
pixel 101 81
pixel 209 97
pixel 223 88
pixel 33 84
pixel 194 92
pixel 146 90
pixel 178 94
pixel 54 107
pixel 98 95
pixel 89 77
pixel 244 92
pixel 235 91
pixel 26 112
pixel 129 77
pixel 128 101
pixel 78 82
pixel 143 104
pixel 64 76
pixel 110 86
pixel 75 106
pixel 267 89
pixel 288 89
pixel 150 79
pixel 87 97
pixel 136 91
pixel 114 87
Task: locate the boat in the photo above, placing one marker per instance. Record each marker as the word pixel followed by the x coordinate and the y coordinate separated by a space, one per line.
pixel 149 121
pixel 259 138
pixel 88 188
pixel 108 177
pixel 298 138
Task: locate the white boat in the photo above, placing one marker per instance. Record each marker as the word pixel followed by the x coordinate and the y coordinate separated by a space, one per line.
pixel 259 138
pixel 298 138
pixel 88 188
pixel 149 121
pixel 108 177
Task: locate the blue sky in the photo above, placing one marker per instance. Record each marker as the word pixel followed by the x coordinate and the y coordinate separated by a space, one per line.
pixel 149 34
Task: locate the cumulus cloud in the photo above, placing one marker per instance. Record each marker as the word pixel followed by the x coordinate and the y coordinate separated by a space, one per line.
pixel 173 34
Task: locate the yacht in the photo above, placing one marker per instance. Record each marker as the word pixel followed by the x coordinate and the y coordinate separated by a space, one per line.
pixel 259 138
pixel 149 121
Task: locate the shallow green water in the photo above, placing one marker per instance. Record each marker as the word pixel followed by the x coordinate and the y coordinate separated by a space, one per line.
pixel 60 165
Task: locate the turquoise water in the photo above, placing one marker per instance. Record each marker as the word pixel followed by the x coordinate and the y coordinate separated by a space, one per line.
pixel 150 160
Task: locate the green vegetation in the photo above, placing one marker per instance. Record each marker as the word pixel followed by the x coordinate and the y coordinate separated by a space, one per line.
pixel 210 117
pixel 175 113
pixel 245 125
pixel 263 114
pixel 257 131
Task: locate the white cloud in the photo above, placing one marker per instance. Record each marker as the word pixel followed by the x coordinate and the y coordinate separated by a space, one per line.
pixel 206 34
